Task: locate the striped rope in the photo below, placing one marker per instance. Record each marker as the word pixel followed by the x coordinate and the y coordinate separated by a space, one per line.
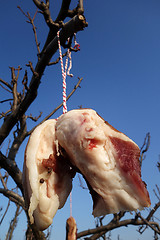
pixel 63 74
pixel 64 71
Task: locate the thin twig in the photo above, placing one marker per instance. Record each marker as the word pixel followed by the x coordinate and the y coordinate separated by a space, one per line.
pixel 6 84
pixel 157 194
pixel 5 212
pixel 145 147
pixel 58 107
pixel 32 69
pixel 63 55
pixel 13 224
pixel 25 82
pixel 2 181
pixel 46 13
pixel 35 119
pixel 34 31
pixel 152 212
pixel 14 89
pixel 155 229
pixel 6 100
pixel 14 197
pixel 31 21
pixel 4 114
pixel 58 59
pixel 112 226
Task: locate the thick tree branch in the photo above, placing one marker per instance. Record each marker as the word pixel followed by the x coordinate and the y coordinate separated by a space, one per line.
pixel 21 135
pixel 13 170
pixel 38 4
pixel 78 10
pixel 46 13
pixel 63 11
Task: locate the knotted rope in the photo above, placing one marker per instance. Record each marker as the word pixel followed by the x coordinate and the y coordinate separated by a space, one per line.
pixel 64 71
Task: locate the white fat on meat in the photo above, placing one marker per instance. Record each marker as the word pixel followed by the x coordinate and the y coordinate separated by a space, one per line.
pixel 107 159
pixel 47 180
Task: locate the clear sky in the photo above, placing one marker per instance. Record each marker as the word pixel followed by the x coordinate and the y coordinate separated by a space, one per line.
pixel 119 61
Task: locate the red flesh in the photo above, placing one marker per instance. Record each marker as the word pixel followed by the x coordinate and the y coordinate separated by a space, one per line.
pixel 128 160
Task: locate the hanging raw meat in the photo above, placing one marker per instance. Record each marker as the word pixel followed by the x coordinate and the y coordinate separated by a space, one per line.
pixel 108 160
pixel 47 177
pixel 71 229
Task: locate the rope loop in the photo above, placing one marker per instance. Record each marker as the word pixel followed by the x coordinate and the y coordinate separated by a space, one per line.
pixel 64 72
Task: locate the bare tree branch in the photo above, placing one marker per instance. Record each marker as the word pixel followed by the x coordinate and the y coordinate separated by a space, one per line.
pixel 78 10
pixel 24 82
pixel 145 147
pixel 14 88
pixel 21 135
pixel 157 192
pixel 35 119
pixel 147 223
pixel 6 100
pixel 97 232
pixel 5 212
pixel 7 85
pixel 46 13
pixel 3 115
pixel 63 13
pixel 112 226
pixel 13 224
pixel 58 59
pixel 2 181
pixel 63 55
pixel 154 209
pixel 31 21
pixel 158 164
pixel 11 167
pixel 74 25
pixel 14 197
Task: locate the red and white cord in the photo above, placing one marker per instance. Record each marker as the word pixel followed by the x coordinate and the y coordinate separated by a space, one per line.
pixel 64 72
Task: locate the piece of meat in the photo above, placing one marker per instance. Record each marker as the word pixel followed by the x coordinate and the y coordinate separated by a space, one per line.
pixel 71 229
pixel 47 177
pixel 108 160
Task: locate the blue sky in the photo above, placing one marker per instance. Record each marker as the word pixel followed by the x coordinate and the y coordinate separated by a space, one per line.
pixel 119 61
